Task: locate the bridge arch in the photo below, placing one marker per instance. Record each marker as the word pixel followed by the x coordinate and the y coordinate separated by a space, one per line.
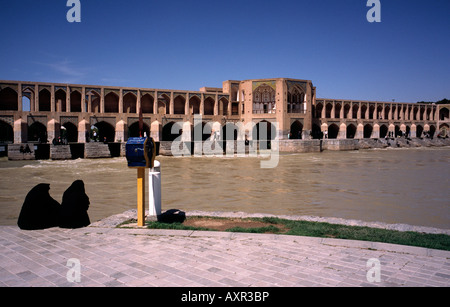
pixel 37 132
pixel 432 130
pixel 328 108
pixel 129 103
pixel 167 131
pixel 194 105
pixel 6 133
pixel 368 129
pixel 347 110
pixel 44 100
pixel 355 109
pixel 209 106
pixel 397 131
pixel 133 130
pixel 383 131
pixel 60 100
pixel 223 106
pixel 415 110
pixel 8 99
pixel 318 110
pixel 26 102
pixel 387 109
pixel 337 110
pixel 164 104
pixel 296 130
pixel 333 131
pixel 351 131
pixel 419 131
pixel 112 103
pixel 379 111
pixel 147 102
pixel 421 113
pixel 408 130
pixel 394 112
pixel 75 101
pixel 371 111
pixel 95 101
pixel 70 132
pixel 105 130
pixel 179 104
pixel 363 111
pixel 429 114
pixel 443 114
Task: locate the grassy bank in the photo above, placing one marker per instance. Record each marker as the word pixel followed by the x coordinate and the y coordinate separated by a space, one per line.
pixel 323 230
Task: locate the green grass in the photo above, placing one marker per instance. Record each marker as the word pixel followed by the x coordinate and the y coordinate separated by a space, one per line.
pixel 175 226
pixel 271 229
pixel 326 230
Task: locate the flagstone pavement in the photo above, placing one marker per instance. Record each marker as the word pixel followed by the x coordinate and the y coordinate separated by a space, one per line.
pixel 114 257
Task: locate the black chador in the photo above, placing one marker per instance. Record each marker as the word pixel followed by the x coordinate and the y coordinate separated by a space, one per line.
pixel 74 207
pixel 39 210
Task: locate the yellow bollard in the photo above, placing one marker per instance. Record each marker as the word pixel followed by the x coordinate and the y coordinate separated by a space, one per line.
pixel 141 196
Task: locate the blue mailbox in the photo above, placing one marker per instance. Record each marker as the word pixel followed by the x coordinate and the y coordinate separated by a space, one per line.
pixel 141 152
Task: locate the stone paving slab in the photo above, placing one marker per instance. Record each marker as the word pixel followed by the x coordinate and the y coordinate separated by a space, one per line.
pixel 113 257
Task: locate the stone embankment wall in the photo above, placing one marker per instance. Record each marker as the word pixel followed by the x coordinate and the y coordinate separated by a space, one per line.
pixel 65 152
pixel 100 150
pixel 402 143
pixel 295 146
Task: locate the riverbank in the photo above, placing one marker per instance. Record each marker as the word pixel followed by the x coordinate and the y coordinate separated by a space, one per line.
pixel 407 235
pixel 118 219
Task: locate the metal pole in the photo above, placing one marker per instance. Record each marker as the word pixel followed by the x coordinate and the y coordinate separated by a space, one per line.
pixel 141 196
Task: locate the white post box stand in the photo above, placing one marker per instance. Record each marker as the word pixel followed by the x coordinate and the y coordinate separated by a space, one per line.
pixel 154 190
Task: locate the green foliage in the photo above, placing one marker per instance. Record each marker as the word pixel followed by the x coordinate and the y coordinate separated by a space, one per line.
pixel 443 101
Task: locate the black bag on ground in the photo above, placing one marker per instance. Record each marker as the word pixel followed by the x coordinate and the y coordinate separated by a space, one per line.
pixel 172 216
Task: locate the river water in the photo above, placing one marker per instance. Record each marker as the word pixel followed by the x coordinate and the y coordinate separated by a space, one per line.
pixel 408 186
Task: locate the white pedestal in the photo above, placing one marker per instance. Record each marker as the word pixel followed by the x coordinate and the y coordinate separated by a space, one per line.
pixel 154 190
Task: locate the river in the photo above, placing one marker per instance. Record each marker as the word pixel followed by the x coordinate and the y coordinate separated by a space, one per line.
pixel 408 186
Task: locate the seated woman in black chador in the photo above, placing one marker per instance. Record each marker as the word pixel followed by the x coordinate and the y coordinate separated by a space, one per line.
pixel 74 207
pixel 40 210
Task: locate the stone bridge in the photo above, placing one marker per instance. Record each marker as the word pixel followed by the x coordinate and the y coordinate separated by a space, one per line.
pixel 36 112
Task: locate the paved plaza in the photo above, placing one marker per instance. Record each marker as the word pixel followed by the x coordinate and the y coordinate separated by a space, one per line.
pixel 112 257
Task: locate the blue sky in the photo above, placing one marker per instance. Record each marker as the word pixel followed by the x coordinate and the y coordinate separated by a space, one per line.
pixel 193 43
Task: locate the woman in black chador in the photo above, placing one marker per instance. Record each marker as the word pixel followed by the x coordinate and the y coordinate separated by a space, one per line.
pixel 74 207
pixel 40 210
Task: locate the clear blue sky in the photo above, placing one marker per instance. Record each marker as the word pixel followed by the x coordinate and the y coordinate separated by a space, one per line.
pixel 193 43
